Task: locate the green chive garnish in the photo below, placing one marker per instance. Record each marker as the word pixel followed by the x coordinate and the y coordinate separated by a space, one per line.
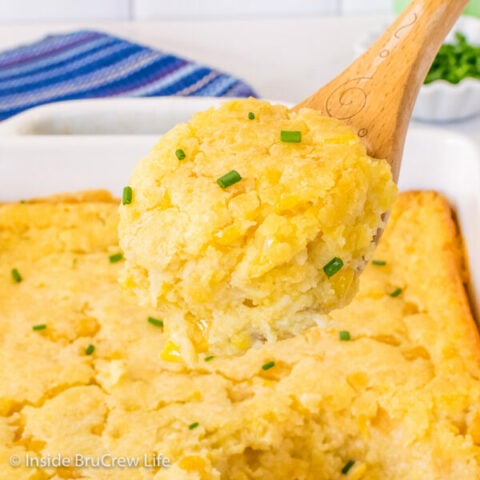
pixel 379 263
pixel 251 116
pixel 90 349
pixel 291 136
pixel 193 425
pixel 346 468
pixel 209 358
pixel 333 266
pixel 115 257
pixel 16 277
pixel 41 326
pixel 344 335
pixel 396 292
pixel 229 179
pixel 127 195
pixel 180 154
pixel 155 322
pixel 268 365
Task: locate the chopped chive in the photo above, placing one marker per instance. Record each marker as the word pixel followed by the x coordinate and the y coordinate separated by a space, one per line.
pixel 22 201
pixel 16 277
pixel 229 179
pixel 379 263
pixel 127 195
pixel 455 61
pixel 268 365
pixel 193 425
pixel 90 349
pixel 346 468
pixel 209 358
pixel 396 292
pixel 344 335
pixel 115 257
pixel 41 326
pixel 291 136
pixel 155 322
pixel 333 266
pixel 180 154
pixel 251 116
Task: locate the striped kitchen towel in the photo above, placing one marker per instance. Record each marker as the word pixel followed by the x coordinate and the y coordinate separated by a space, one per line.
pixel 89 64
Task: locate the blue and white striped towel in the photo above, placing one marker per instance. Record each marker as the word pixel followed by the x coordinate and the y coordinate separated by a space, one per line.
pixel 89 64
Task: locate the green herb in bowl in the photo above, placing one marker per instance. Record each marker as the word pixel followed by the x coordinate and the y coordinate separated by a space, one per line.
pixel 455 61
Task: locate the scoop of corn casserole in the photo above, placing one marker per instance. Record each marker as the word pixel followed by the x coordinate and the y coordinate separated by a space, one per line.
pixel 249 222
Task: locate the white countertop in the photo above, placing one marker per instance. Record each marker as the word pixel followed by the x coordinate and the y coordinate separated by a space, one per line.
pixel 283 59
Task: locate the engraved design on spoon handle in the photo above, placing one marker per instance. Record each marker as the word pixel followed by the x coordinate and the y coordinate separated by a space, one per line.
pixel 348 99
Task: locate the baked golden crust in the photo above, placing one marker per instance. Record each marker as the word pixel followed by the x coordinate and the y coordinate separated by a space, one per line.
pixel 430 270
pixel 82 196
pixel 401 398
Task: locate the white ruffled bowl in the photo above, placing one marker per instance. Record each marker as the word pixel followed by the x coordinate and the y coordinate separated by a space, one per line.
pixel 441 101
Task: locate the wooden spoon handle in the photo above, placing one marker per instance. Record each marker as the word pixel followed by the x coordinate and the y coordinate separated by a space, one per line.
pixel 376 94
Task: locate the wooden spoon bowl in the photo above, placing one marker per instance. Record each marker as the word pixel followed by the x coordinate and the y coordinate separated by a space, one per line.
pixel 377 92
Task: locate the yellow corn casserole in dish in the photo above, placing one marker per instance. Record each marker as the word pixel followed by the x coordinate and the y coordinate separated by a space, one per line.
pixel 388 388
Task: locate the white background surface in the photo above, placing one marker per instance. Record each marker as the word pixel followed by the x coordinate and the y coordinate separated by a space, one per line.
pixel 44 10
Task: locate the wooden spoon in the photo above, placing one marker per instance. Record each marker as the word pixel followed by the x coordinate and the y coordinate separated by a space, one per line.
pixel 377 92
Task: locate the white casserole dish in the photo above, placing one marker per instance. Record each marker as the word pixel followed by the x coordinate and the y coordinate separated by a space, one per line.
pixel 36 159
